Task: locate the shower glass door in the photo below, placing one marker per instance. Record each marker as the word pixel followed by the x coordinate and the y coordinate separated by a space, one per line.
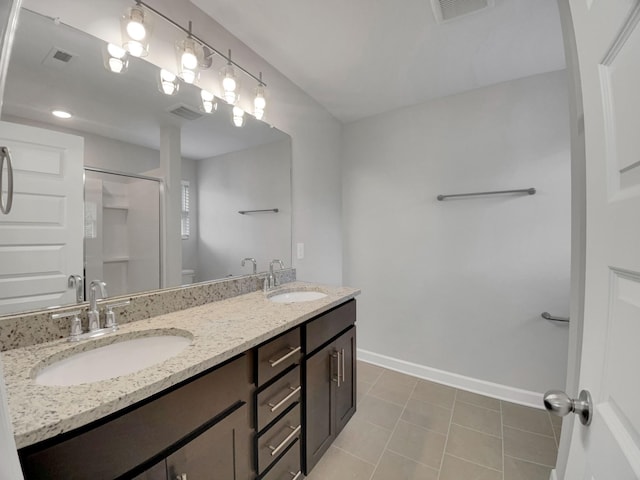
pixel 122 231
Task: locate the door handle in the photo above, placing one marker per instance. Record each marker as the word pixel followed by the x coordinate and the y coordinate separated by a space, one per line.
pixel 548 316
pixel 560 404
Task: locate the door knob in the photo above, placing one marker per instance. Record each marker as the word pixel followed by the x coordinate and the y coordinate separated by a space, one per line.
pixel 559 403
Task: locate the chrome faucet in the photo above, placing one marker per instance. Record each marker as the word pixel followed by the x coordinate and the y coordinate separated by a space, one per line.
pixel 94 313
pixel 271 280
pixel 253 260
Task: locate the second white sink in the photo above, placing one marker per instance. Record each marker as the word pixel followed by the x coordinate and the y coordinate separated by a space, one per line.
pixel 297 296
pixel 113 360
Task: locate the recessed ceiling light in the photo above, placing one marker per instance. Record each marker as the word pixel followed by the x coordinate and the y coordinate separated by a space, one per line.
pixel 61 114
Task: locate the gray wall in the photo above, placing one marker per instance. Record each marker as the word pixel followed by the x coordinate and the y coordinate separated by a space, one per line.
pixel 459 285
pixel 256 178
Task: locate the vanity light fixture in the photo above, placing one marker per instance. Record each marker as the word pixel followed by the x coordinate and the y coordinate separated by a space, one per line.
pixel 238 116
pixel 259 102
pixel 229 82
pixel 169 84
pixel 209 103
pixel 136 30
pixel 61 114
pixel 117 59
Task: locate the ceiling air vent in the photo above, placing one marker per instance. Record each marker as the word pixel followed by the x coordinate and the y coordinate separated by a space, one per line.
pixel 56 57
pixel 185 112
pixel 447 10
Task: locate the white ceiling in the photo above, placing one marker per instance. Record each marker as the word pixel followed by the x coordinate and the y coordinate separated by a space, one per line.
pixel 363 57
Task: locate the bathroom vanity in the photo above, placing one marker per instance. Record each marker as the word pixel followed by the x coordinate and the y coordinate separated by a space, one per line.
pixel 261 392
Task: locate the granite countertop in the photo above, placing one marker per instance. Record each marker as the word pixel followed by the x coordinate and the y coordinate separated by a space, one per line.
pixel 220 330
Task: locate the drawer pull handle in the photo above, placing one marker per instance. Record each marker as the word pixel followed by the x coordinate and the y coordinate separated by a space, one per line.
pixel 275 450
pixel 295 475
pixel 294 391
pixel 292 351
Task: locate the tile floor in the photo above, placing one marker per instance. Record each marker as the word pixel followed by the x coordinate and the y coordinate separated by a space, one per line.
pixel 406 428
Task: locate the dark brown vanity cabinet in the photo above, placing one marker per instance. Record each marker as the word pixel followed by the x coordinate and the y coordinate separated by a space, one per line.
pixel 198 429
pixel 330 379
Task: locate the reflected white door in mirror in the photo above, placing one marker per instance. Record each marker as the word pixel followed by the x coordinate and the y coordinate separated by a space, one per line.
pixel 41 238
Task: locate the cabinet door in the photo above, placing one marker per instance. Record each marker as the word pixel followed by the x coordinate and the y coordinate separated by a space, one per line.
pixel 321 373
pixel 345 399
pixel 220 453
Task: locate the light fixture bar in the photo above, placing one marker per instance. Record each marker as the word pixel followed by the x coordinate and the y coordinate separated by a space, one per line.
pixel 199 40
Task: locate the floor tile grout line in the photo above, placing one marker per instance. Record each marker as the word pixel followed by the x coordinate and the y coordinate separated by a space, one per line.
pixel 479 406
pixel 446 441
pixel 410 459
pixel 474 463
pixel 530 461
pixel 392 432
pixel 354 455
pixel 529 431
pixel 475 430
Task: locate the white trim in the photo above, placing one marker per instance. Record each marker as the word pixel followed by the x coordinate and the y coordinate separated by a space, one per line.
pixel 553 475
pixel 495 390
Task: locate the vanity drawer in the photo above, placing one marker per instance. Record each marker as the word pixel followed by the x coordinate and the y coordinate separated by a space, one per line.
pixel 276 440
pixel 276 398
pixel 330 324
pixel 288 467
pixel 277 355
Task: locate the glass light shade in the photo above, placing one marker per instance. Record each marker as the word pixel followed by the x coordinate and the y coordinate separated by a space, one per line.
pixel 135 24
pixel 116 65
pixel 168 82
pixel 116 59
pixel 115 51
pixel 189 55
pixel 229 85
pixel 189 76
pixel 136 30
pixel 259 103
pixel 189 60
pixel 209 105
pixel 238 116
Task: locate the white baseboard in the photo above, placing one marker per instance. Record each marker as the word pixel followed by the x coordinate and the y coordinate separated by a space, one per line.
pixel 495 390
pixel 553 475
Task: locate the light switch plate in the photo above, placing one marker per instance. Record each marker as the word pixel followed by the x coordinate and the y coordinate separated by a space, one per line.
pixel 300 251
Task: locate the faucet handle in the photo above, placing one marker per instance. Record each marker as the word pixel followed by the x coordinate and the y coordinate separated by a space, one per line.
pixel 76 323
pixel 110 315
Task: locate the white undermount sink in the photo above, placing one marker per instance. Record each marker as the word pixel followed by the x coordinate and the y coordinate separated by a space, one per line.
pixel 297 296
pixel 113 360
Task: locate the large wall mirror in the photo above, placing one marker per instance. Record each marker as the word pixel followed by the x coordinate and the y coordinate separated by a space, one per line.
pixel 89 189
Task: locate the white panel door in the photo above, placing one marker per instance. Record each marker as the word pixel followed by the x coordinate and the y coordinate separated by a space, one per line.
pixel 608 45
pixel 41 239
